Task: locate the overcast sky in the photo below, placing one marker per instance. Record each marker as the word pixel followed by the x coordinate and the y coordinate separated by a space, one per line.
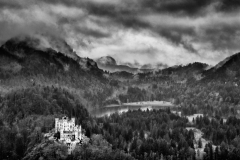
pixel 168 32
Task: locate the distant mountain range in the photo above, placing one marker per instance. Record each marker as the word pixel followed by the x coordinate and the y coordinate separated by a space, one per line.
pixel 226 70
pixel 108 63
pixel 48 61
pixel 32 49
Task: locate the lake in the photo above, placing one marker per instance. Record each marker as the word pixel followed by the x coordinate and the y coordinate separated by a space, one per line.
pixel 150 105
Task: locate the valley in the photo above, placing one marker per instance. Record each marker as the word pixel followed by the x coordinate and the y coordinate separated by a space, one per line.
pixel 127 115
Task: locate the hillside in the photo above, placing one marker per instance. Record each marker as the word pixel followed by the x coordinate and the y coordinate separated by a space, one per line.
pixel 38 83
pixel 24 64
pixel 225 71
pixel 194 87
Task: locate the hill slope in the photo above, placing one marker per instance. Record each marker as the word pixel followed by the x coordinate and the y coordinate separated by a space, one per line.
pixel 24 64
pixel 226 70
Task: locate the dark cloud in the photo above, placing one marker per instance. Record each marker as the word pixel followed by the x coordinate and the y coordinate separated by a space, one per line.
pixel 176 35
pixel 196 27
pixel 128 16
pixel 69 3
pixel 10 4
pixel 229 5
pixel 124 16
pixel 92 33
pixel 188 7
pixel 223 37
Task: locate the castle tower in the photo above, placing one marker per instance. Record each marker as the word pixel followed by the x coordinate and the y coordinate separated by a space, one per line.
pixel 77 132
pixel 56 125
pixel 73 120
pixel 80 132
pixel 61 134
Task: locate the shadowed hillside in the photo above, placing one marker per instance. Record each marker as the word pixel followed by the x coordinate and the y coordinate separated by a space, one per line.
pixel 24 64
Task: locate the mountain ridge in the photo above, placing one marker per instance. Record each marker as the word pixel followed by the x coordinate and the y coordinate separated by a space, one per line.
pixel 226 70
pixel 23 65
pixel 109 64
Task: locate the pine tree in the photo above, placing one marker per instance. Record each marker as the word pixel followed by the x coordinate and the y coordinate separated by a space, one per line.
pixel 216 153
pixel 199 143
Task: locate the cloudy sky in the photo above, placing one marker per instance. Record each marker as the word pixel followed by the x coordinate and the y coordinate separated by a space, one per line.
pixel 169 32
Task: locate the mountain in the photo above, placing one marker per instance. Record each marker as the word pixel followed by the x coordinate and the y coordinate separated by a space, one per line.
pixel 26 63
pixel 107 60
pixel 123 75
pixel 22 47
pixel 179 73
pixel 186 70
pixel 147 66
pixel 39 83
pixel 226 70
pixel 46 44
pixel 109 64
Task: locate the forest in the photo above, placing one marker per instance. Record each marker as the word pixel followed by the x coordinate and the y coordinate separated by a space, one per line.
pixel 161 134
pixel 157 134
pixel 213 98
pixel 27 113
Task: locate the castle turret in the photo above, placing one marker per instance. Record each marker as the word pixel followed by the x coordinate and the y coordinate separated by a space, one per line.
pixel 80 132
pixel 73 120
pixel 56 125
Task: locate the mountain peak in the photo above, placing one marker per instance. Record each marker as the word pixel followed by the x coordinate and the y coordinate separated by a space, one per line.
pixel 223 62
pixel 40 42
pixel 50 48
pixel 106 60
pixel 227 69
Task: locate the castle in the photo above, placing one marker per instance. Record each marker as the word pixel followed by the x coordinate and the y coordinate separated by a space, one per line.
pixel 70 134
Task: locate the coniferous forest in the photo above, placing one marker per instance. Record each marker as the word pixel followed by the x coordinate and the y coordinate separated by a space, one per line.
pixel 156 134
